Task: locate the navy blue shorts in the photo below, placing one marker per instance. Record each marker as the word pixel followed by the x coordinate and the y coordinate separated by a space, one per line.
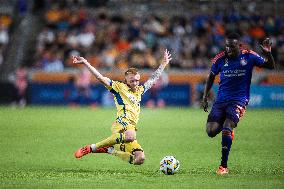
pixel 226 110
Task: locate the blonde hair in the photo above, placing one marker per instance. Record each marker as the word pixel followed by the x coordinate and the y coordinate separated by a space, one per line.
pixel 131 71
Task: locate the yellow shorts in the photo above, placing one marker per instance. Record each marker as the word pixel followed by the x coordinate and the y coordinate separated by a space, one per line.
pixel 129 146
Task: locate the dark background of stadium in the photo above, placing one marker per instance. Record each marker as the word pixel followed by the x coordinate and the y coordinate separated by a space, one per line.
pixel 192 30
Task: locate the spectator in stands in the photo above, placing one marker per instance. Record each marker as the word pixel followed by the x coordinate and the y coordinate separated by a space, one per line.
pixel 1 54
pixel 5 22
pixel 21 85
pixel 155 100
pixel 83 87
pixel 68 94
pixel 120 41
pixel 53 63
pixel 22 7
pixel 4 37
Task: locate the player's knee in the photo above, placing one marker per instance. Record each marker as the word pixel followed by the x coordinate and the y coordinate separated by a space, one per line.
pixel 139 159
pixel 210 132
pixel 130 136
pixel 212 129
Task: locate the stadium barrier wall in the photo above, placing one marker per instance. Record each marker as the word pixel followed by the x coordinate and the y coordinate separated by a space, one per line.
pixel 175 78
pixel 173 95
pixel 261 96
pixel 64 94
pixel 7 92
pixel 190 77
pixel 267 97
pixel 264 96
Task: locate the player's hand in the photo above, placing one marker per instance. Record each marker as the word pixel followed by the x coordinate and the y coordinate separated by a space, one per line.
pixel 204 104
pixel 266 46
pixel 79 60
pixel 167 57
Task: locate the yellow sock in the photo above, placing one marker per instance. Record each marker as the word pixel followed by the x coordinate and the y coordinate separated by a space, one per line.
pixel 125 156
pixel 110 141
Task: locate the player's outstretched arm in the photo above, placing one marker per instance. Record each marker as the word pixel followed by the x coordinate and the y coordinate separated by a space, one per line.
pixel 266 50
pixel 80 60
pixel 208 85
pixel 155 76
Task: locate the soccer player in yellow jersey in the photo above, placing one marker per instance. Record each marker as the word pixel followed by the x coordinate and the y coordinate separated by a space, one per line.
pixel 127 96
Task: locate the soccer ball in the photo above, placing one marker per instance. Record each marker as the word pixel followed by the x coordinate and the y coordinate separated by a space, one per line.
pixel 169 165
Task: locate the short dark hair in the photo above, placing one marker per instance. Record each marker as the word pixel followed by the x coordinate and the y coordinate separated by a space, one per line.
pixel 131 71
pixel 233 36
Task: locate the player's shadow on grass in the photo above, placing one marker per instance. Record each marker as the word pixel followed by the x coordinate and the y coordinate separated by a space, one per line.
pixel 126 172
pixel 72 170
pixel 131 172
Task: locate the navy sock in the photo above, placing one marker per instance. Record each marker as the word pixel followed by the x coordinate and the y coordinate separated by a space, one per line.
pixel 226 145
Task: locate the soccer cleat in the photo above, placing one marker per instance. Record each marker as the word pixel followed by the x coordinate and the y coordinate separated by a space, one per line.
pixel 222 170
pixel 232 135
pixel 83 151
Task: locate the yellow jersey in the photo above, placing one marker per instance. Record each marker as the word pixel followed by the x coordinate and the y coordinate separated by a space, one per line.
pixel 127 102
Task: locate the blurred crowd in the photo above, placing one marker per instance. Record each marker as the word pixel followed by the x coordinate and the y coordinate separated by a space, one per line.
pixel 117 41
pixel 5 22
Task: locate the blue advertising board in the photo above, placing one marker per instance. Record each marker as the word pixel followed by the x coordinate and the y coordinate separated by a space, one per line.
pixel 267 96
pixel 262 96
pixel 63 94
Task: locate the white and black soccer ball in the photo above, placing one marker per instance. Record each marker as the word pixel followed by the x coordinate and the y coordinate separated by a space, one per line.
pixel 169 165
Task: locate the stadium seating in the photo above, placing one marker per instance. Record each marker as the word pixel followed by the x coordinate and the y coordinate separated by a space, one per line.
pixel 117 34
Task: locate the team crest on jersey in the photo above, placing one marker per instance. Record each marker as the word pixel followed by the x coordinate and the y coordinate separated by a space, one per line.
pixel 226 62
pixel 133 99
pixel 243 62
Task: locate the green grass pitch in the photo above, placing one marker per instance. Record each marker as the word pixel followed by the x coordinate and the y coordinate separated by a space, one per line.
pixel 38 143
